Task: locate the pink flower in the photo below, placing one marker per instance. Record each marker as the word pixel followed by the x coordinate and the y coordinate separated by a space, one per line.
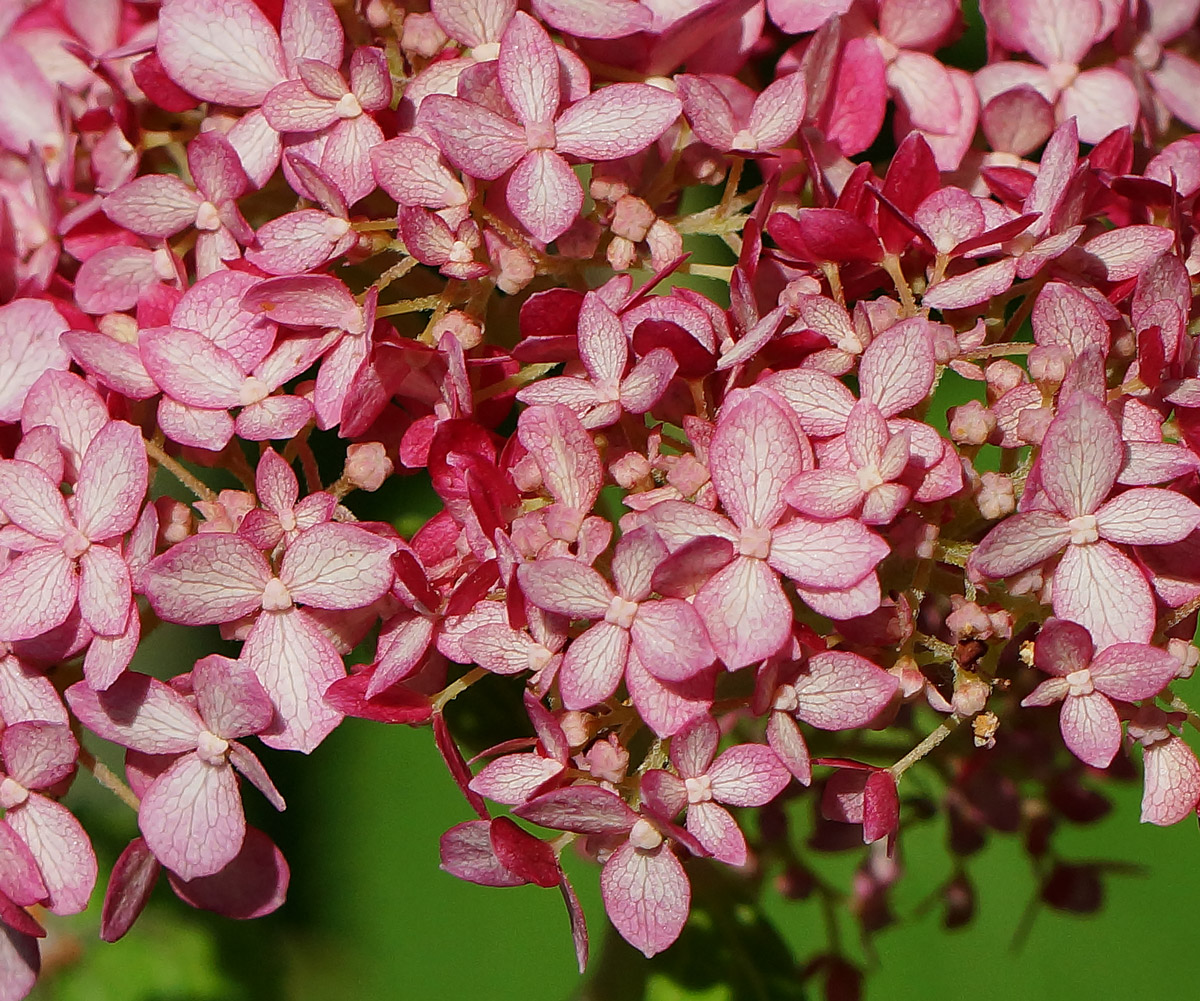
pixel 68 555
pixel 237 57
pixel 1172 773
pixel 666 633
pixel 339 131
pixel 542 191
pixel 1059 34
pixel 646 892
pixel 755 451
pixel 159 205
pixel 55 863
pixel 609 391
pixel 773 119
pixel 1085 683
pixel 744 775
pixel 1095 584
pixel 220 578
pixel 515 778
pixel 191 813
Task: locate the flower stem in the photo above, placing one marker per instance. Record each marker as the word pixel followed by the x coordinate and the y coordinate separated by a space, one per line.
pixel 947 727
pixel 456 688
pixel 161 458
pixel 107 778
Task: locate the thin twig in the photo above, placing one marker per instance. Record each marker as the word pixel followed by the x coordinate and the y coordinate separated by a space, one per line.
pixel 201 490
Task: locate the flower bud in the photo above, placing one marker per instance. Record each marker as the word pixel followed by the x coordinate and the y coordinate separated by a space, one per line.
pixel 367 465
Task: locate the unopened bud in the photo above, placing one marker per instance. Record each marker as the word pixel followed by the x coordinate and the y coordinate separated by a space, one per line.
pixel 1048 363
pixel 462 326
pixel 972 423
pixel 367 465
pixel 423 36
pixel 970 693
pixel 1003 376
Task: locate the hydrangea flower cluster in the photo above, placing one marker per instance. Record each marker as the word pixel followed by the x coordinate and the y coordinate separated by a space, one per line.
pixel 921 450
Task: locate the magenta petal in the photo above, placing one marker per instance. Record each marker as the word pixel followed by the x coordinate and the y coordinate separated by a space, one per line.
pixel 616 121
pixel 513 778
pixel 229 697
pixel 37 592
pixel 62 850
pixel 647 896
pixel 20 880
pixel 191 817
pixel 748 775
pixel 718 832
pixel 788 743
pixel 1090 728
pixel 104 590
pixel 234 58
pixel 156 205
pixel 745 612
pixel 670 639
pixel 1102 589
pixel 593 665
pixel 466 852
pixel 583 809
pixel 1172 782
pixel 528 70
pixel 296 664
pixel 477 141
pixel 1147 516
pixel 337 566
pixel 129 887
pixel 544 194
pixel 664 707
pixel 565 586
pixel 207 579
pixel 138 712
pixel 252 885
pixel 842 690
pixel 112 482
pixel 1019 542
pixel 1132 671
pixel 754 452
pixel 834 554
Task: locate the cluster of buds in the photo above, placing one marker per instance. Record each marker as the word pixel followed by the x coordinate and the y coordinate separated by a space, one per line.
pixel 921 449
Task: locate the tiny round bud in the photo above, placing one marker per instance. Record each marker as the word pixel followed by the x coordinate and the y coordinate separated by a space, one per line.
pixel 972 423
pixel 423 36
pixel 1003 376
pixel 367 465
pixel 1048 363
pixel 970 693
pixel 463 326
pixel 996 498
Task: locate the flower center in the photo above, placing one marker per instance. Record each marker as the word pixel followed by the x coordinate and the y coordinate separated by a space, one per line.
pixel 699 790
pixel 74 544
pixel 621 612
pixel 745 139
pixel 868 478
pixel 276 597
pixel 644 835
pixel 755 543
pixel 211 749
pixel 1080 682
pixel 253 390
pixel 1062 75
pixel 348 106
pixel 1083 529
pixel 207 217
pixel 540 135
